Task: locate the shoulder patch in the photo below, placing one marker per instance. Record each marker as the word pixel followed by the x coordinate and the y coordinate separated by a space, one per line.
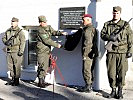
pixel 45 36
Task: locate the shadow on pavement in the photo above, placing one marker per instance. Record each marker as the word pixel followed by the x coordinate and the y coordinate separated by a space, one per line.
pixel 99 92
pixel 28 92
pixel 103 93
pixel 37 93
pixel 70 92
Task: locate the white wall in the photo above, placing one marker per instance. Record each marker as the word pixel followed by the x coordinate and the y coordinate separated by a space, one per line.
pixel 28 10
pixel 70 63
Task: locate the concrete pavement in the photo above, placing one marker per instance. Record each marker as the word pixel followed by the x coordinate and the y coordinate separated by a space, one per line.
pixel 29 91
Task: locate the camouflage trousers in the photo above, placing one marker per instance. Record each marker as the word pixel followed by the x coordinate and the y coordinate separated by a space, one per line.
pixel 117 66
pixel 14 64
pixel 43 64
pixel 87 73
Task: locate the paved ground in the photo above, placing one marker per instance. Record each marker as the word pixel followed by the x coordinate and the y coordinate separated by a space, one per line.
pixel 29 91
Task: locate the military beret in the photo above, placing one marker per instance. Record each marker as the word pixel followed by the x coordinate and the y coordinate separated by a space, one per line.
pixel 87 15
pixel 42 18
pixel 15 19
pixel 117 8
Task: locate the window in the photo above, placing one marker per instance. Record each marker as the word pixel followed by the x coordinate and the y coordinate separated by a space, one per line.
pixel 32 58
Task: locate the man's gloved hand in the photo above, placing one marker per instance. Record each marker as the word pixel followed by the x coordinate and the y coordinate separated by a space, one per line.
pixel 62 46
pixel 112 38
pixel 20 53
pixel 8 43
pixel 64 33
pixel 128 55
pixel 96 54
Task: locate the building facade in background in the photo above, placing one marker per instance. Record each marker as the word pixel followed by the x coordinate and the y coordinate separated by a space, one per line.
pixel 69 62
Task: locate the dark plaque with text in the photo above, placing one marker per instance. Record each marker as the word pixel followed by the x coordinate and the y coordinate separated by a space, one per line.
pixel 71 17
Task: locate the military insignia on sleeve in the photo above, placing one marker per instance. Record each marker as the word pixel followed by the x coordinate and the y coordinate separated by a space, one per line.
pixel 45 36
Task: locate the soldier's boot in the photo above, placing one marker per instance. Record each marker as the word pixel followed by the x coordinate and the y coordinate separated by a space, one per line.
pixel 113 93
pixel 10 82
pixel 87 88
pixel 16 82
pixel 119 95
pixel 41 83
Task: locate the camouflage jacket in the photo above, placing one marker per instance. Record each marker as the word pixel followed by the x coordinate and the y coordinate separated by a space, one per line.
pixel 124 39
pixel 44 41
pixel 89 41
pixel 18 43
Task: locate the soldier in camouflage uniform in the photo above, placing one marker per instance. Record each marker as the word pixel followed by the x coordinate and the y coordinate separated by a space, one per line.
pixel 89 51
pixel 14 39
pixel 117 62
pixel 44 43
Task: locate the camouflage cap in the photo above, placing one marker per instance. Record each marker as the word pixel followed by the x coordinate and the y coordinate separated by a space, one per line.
pixel 15 19
pixel 42 18
pixel 117 8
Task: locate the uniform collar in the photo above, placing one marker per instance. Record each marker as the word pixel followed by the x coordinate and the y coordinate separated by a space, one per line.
pixel 45 28
pixel 88 25
pixel 119 23
pixel 14 29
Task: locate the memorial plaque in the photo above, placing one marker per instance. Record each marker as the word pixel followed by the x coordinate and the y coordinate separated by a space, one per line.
pixel 71 17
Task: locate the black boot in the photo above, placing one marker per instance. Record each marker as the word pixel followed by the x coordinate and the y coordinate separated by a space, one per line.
pixel 10 82
pixel 41 83
pixel 119 95
pixel 87 88
pixel 113 93
pixel 16 82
